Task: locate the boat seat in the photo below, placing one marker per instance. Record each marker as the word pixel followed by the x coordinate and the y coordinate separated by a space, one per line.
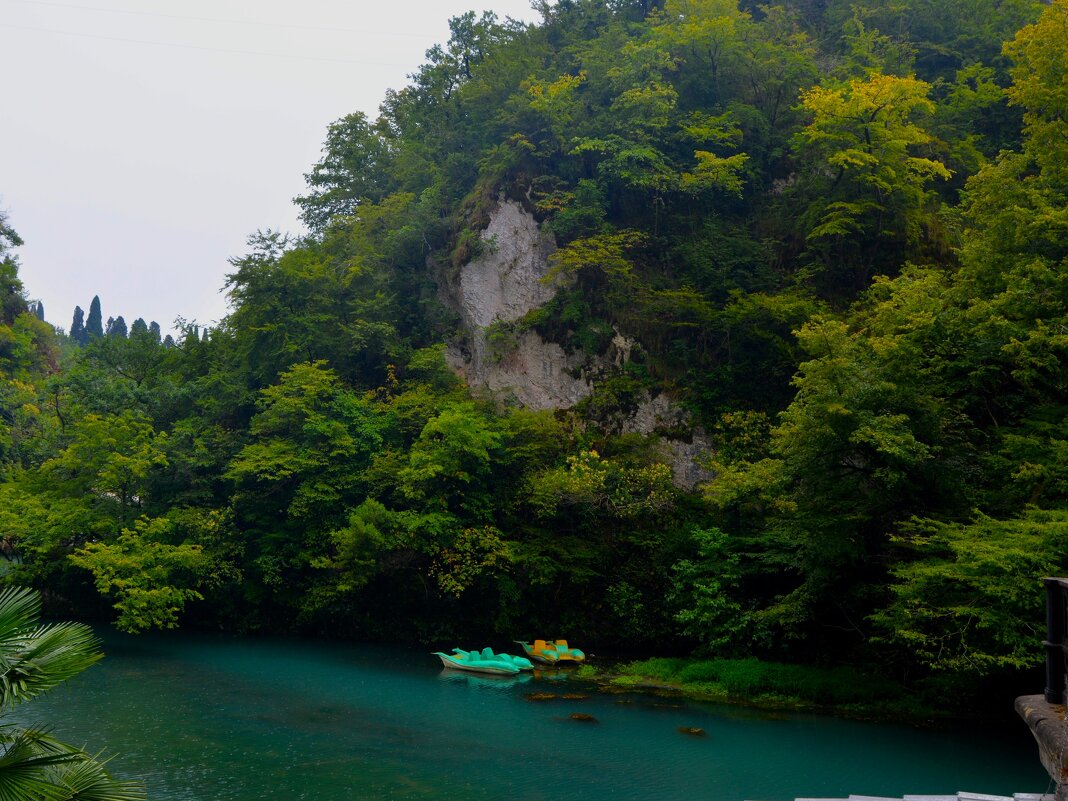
pixel 487 654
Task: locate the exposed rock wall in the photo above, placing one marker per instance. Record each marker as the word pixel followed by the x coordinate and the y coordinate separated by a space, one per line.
pixel 658 415
pixel 503 284
pixel 509 280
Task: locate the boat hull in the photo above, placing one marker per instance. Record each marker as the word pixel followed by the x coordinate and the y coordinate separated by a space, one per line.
pixel 571 656
pixel 489 670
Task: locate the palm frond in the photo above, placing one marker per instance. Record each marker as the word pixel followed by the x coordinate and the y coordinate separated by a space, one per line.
pixel 19 610
pixel 29 763
pixel 36 658
pixel 89 781
pixel 34 766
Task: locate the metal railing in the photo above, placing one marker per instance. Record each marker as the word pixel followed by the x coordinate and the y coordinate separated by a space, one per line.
pixel 1056 638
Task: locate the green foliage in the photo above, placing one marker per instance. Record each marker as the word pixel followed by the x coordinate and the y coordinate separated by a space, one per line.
pixel 595 485
pixel 870 178
pixel 706 589
pixel 354 169
pixel 34 659
pixel 308 442
pixel 753 679
pixel 151 579
pixel 969 601
pixel 94 325
pixel 449 465
pixel 833 233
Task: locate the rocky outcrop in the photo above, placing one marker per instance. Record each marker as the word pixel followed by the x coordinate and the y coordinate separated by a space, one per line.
pixel 531 372
pixel 509 278
pixel 512 277
pixel 686 456
pixel 507 281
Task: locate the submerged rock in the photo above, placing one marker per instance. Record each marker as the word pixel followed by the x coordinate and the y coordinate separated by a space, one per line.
pixel 574 696
pixel 582 717
pixel 540 696
pixel 693 731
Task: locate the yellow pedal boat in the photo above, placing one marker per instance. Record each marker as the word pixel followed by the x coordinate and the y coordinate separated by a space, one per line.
pixel 552 652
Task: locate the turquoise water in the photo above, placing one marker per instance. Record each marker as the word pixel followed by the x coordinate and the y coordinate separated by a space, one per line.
pixel 213 719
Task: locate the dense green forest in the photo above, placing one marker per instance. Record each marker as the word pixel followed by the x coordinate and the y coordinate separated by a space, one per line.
pixel 837 233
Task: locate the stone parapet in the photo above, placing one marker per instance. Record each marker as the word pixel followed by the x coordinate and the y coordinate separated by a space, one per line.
pixel 1048 725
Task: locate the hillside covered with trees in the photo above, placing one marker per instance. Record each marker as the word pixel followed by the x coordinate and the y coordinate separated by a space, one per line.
pixel 837 233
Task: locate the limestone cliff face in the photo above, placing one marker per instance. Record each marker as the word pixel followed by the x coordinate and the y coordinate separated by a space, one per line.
pixel 504 283
pixel 507 280
pixel 500 286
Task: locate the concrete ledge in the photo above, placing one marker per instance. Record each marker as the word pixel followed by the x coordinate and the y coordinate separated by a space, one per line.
pixel 1047 724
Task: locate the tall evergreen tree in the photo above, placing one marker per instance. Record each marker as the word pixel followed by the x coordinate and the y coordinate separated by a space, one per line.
pixel 77 327
pixel 40 310
pixel 117 327
pixel 153 328
pixel 94 326
pixel 139 326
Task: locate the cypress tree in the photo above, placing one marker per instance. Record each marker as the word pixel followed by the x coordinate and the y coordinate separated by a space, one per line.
pixel 117 327
pixel 168 341
pixel 94 326
pixel 77 327
pixel 40 310
pixel 139 327
pixel 153 329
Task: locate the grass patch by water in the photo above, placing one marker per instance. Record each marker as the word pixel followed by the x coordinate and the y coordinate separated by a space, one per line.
pixel 771 684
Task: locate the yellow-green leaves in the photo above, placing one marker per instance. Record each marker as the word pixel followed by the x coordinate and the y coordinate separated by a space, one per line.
pixel 971 600
pixel 715 172
pixel 558 104
pixel 593 484
pixel 150 577
pixel 865 133
pixel 867 205
pixel 1040 86
pixel 703 31
pixel 606 253
pixel 474 551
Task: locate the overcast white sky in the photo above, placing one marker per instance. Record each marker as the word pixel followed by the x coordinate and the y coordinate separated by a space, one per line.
pixel 142 141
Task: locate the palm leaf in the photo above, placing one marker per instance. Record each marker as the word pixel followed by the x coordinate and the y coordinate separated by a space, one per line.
pixel 34 766
pixel 89 781
pixel 36 658
pixel 29 763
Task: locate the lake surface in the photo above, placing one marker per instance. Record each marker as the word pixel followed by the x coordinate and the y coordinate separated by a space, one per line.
pixel 214 719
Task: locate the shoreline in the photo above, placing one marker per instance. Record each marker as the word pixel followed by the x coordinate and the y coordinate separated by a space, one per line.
pixel 897 703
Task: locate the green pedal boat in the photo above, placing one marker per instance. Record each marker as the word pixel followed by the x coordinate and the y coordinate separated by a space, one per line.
pixel 484 661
